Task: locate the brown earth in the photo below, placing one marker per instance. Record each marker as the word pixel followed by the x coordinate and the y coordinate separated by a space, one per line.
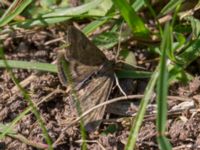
pixel 40 45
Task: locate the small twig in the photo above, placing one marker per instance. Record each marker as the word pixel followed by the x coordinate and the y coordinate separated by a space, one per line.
pixel 117 83
pixel 92 141
pixel 103 104
pixel 48 97
pixel 92 109
pixel 29 142
pixel 53 41
pixel 186 146
pixel 135 66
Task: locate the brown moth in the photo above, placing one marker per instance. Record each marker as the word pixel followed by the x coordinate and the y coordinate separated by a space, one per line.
pixel 91 72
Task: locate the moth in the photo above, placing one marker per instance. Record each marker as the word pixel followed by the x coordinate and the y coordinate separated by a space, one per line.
pixel 92 74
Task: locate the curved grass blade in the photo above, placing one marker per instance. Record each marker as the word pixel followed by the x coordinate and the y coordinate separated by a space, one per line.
pixel 133 20
pixel 59 15
pixel 28 99
pixel 15 9
pixel 138 4
pixel 95 24
pixel 64 66
pixel 142 109
pixel 170 6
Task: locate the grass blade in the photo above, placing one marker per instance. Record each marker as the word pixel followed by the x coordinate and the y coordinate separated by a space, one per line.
pixel 31 103
pixel 133 20
pixel 142 109
pixel 68 74
pixel 15 9
pixel 162 89
pixel 95 24
pixel 53 68
pixel 170 6
pixel 133 74
pixel 59 15
pixel 138 4
pixel 29 65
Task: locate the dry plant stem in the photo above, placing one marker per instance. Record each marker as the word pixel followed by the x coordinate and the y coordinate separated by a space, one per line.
pixel 92 141
pixel 117 83
pixel 109 102
pixel 48 97
pixel 135 66
pixel 151 117
pixel 147 117
pixel 106 103
pixel 29 142
pixel 165 18
pixel 53 41
pixel 24 83
pixel 113 101
pixel 92 109
pixel 173 113
pixel 188 146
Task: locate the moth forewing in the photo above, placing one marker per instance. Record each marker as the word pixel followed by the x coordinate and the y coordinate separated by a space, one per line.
pixel 93 93
pixel 90 71
pixel 82 49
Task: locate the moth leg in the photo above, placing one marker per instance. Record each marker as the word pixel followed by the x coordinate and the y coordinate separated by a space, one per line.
pixel 118 85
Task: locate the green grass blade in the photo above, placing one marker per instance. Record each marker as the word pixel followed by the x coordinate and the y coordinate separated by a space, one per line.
pixel 103 8
pixel 30 102
pixel 142 109
pixel 53 68
pixel 59 15
pixel 162 85
pixel 138 4
pixel 162 89
pixel 95 24
pixel 11 125
pixel 133 74
pixel 133 20
pixel 168 44
pixel 15 9
pixel 165 143
pixel 67 72
pixel 73 10
pixel 29 65
pixel 170 6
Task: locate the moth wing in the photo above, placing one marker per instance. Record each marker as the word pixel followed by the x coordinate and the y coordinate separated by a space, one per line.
pixel 82 56
pixel 93 93
pixel 79 72
pixel 82 49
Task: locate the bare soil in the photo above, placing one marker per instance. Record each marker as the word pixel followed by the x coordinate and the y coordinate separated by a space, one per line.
pixel 40 45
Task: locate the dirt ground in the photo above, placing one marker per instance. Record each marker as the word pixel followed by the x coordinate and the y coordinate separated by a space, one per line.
pixel 39 45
